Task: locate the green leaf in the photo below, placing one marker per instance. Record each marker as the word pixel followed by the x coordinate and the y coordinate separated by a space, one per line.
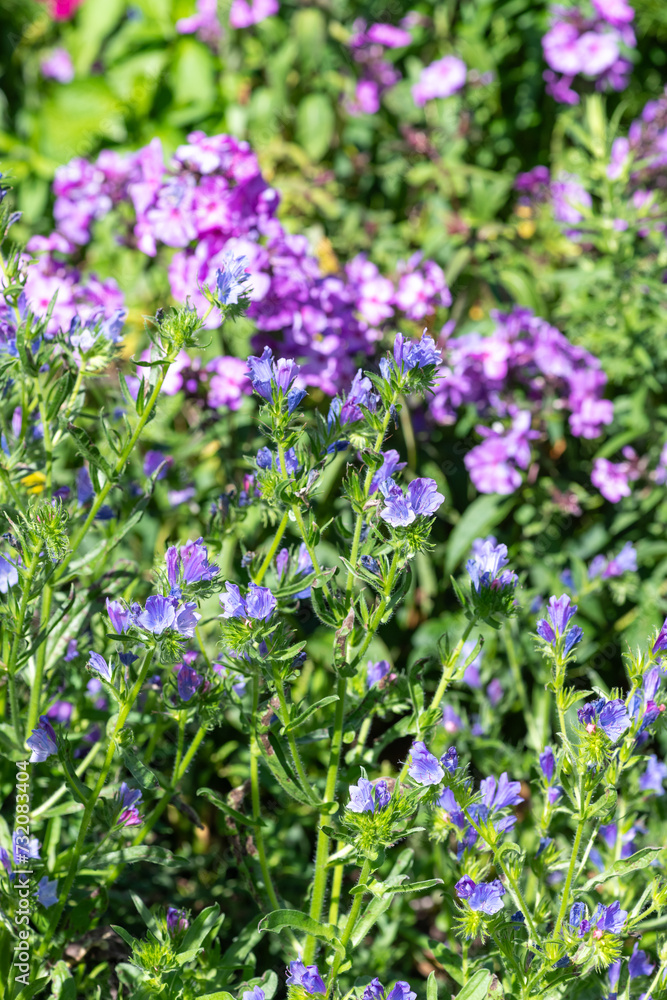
pixel 477 986
pixel 208 920
pixel 64 987
pixel 125 935
pixel 87 449
pixel 280 770
pixel 29 991
pixel 315 125
pixel 234 814
pixel 278 919
pixel 483 514
pixel 641 859
pixel 306 714
pixel 128 855
pixel 431 987
pixel 143 775
pixel 377 906
pixel 148 918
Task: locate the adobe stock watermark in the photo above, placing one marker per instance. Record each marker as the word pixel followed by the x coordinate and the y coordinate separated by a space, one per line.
pixel 21 883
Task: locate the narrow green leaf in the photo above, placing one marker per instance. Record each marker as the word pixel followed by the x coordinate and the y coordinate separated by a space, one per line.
pixel 477 986
pixel 128 855
pixel 431 987
pixel 641 859
pixel 234 814
pixel 306 714
pixel 278 919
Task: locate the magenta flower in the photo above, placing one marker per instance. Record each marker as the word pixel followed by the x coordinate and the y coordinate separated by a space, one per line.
pixel 441 79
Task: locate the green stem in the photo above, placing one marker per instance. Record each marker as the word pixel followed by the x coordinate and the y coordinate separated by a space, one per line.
pixel 296 756
pixel 573 861
pixel 36 690
pixel 322 849
pixel 336 888
pixel 302 527
pixel 656 980
pixel 48 444
pixel 280 531
pixel 79 771
pixel 352 918
pixel 118 468
pixel 179 745
pixel 18 634
pixel 92 800
pixel 255 754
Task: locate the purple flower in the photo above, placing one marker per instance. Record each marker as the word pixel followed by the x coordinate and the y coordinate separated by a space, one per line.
pixel 450 760
pixel 47 891
pixel 401 991
pixel 366 797
pixel 390 464
pixel 374 990
pixel 271 379
pixel 611 479
pixel 72 652
pixel 376 671
pixel 409 354
pixel 424 768
pixel 494 692
pixel 382 794
pixel 484 896
pixel 192 560
pixel 638 963
pixel 230 278
pixel 232 602
pixel 624 562
pixel 653 777
pixel 451 720
pixel 84 487
pixel 158 616
pixel 306 976
pixel 155 460
pixel 548 764
pixel 119 615
pixel 186 619
pixel 188 681
pixel 448 803
pixel 42 741
pixel 609 919
pixel 614 974
pixel 577 914
pixel 553 794
pixel 422 500
pixel 264 458
pixel 441 79
pixel 487 560
pixel 559 613
pixel 254 994
pixel 99 665
pixel 129 797
pixel 9 574
pixel 58 66
pixel 505 793
pixel 614 719
pixel 177 921
pixel 660 643
pixel 260 603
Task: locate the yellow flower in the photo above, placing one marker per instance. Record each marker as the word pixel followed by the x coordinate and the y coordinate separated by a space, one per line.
pixel 34 482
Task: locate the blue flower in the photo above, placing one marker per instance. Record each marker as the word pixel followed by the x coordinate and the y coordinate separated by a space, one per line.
pixel 614 719
pixel 486 897
pixel 614 973
pixel 97 663
pixel 271 379
pixel 370 564
pixel 422 500
pixel 230 278
pixel 559 613
pixel 374 990
pixel 9 574
pixel 376 671
pixel 409 354
pixel 47 891
pixel 638 963
pixel 505 793
pixel 22 852
pixel 653 777
pixel 484 567
pixel 366 797
pixel 119 615
pixel 254 994
pixel 450 760
pixel 189 562
pixel 401 991
pixel 129 797
pixel 577 914
pixel 609 919
pixel 390 464
pixel 264 458
pixel 660 643
pixel 424 768
pixel 259 603
pixel 42 741
pixel 84 487
pixel 187 682
pixel 548 764
pixel 455 814
pixel 154 460
pixel 158 615
pixel 651 683
pixel 177 921
pixel 306 976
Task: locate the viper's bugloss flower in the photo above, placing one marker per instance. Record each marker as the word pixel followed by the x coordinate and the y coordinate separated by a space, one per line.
pixel 559 613
pixel 370 564
pixel 130 817
pixel 9 574
pixel 409 354
pixel 22 852
pixel 119 615
pixel 554 793
pixel 129 797
pixel 189 563
pixel 97 663
pixel 367 797
pixel 608 919
pixel 401 991
pixel 84 487
pixel 421 500
pixel 653 777
pixel 153 460
pixel 614 974
pixel 638 963
pixel 548 763
pixel 42 741
pixel 376 671
pixel 450 760
pixel 374 990
pixel 187 682
pixel 230 278
pixel 424 767
pixel 448 803
pixel 177 920
pixel 578 913
pixel 306 976
pixel 484 567
pixel 270 378
pixel 487 897
pixel 391 463
pixel 256 993
pixel 259 602
pixel 500 794
pixel 614 719
pixel 660 643
pixel 47 891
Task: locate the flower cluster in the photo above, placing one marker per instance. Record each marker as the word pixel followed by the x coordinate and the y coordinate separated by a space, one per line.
pixel 212 205
pixel 590 46
pixel 523 355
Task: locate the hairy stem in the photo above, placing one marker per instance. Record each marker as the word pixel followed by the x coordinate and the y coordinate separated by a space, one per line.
pixel 255 754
